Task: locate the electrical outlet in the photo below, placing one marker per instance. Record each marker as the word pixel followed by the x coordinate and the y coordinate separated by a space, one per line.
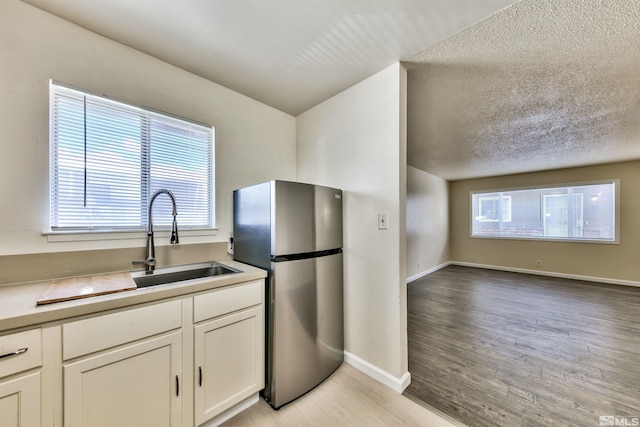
pixel 382 221
pixel 539 263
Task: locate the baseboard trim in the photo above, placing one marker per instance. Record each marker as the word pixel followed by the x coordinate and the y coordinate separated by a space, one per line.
pixel 427 272
pixel 232 412
pixel 549 274
pixel 394 383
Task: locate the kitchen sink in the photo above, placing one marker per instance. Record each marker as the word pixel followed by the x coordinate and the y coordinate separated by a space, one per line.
pixel 166 275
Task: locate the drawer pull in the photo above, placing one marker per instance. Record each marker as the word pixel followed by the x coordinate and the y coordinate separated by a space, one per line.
pixel 15 353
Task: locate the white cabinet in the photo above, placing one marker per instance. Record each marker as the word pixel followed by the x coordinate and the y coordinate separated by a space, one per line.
pixel 20 401
pixel 229 348
pixel 137 385
pixel 20 379
pixel 124 368
pixel 109 330
pixel 187 360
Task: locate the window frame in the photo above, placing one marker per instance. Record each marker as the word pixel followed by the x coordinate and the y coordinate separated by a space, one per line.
pixel 99 233
pixel 616 216
pixel 496 199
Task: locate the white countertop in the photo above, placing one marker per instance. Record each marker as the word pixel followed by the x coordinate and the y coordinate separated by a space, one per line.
pixel 18 307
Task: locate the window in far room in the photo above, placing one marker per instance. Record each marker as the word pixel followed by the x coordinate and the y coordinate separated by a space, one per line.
pixel 107 158
pixel 495 209
pixel 579 212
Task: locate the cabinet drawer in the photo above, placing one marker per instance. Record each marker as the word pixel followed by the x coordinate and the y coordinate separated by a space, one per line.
pixel 110 330
pixel 227 300
pixel 20 351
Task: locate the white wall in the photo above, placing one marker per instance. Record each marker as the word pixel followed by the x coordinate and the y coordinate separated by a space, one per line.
pixel 254 142
pixel 356 141
pixel 427 222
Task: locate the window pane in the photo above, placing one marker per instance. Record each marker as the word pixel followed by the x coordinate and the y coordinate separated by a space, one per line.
pixel 113 167
pixel 580 212
pixel 68 169
pixel 108 158
pixel 177 163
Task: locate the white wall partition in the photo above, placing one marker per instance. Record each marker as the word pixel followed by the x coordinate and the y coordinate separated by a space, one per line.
pixel 356 141
pixel 427 222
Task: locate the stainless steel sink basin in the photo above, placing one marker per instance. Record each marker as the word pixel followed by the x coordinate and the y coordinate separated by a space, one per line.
pixel 163 276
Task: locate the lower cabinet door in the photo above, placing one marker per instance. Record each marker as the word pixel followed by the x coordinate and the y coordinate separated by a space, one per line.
pixel 20 401
pixel 229 362
pixel 134 386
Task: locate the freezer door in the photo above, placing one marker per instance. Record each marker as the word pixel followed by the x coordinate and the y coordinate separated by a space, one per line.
pixel 328 218
pixel 307 330
pixel 292 218
pixel 252 225
pixel 306 218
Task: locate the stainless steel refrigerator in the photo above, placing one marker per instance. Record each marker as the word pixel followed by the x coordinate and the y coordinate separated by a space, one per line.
pixel 294 231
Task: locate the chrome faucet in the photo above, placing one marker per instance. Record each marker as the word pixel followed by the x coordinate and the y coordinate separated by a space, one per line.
pixel 150 261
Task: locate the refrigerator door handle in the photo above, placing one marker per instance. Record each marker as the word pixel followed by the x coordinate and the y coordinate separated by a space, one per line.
pixel 296 257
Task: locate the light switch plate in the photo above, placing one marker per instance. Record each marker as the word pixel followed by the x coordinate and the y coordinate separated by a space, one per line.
pixel 382 221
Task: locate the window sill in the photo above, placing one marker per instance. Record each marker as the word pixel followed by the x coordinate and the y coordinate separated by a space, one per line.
pixel 97 236
pixel 550 239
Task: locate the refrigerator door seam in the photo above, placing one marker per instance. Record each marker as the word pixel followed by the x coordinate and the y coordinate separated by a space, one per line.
pixel 295 257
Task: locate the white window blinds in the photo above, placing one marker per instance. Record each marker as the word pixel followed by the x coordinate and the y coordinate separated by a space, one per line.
pixel 108 158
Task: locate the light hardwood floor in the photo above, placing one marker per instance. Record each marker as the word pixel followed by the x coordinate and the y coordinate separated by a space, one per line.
pixel 494 348
pixel 347 398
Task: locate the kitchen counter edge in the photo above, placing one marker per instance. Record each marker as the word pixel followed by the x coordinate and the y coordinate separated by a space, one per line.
pixel 18 307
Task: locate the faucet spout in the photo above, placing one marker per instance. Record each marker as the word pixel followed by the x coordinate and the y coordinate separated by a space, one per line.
pixel 150 261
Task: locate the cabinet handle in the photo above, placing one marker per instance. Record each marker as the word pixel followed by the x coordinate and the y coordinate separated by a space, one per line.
pixel 177 386
pixel 200 376
pixel 15 353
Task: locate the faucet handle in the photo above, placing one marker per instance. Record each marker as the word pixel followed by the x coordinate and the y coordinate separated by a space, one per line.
pixel 149 265
pixel 151 262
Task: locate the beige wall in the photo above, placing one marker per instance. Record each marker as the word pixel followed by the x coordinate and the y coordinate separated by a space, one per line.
pixel 427 222
pixel 614 262
pixel 356 141
pixel 254 142
pixel 54 265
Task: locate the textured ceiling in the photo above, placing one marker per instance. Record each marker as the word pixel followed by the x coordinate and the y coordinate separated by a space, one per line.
pixel 544 84
pixel 290 54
